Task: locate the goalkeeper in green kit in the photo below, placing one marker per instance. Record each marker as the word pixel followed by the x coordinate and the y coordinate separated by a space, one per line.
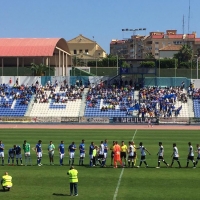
pixel 27 154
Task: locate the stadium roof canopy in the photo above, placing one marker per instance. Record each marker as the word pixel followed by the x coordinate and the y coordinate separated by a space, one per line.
pixel 31 47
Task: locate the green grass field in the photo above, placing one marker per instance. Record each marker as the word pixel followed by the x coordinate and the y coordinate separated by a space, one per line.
pixel 51 182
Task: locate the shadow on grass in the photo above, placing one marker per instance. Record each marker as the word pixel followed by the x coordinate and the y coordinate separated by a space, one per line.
pixel 1 190
pixel 59 194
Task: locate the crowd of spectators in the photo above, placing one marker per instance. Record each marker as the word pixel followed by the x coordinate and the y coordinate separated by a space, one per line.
pixel 17 92
pixel 113 97
pixel 66 93
pixel 161 102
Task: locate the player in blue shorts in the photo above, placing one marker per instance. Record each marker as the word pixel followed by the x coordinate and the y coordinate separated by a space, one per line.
pixel 61 149
pixel 38 150
pixel 91 148
pixel 18 154
pixel 11 155
pixel 2 152
pixel 71 150
pixel 82 152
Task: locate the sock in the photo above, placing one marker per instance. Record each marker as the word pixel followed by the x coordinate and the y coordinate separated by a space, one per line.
pixel 129 162
pixel 196 162
pixel 60 161
pixel 2 161
pixel 159 163
pixel 91 161
pixel 103 163
pixel 172 163
pixel 132 164
pixel 70 161
pixel 21 160
pixel 17 161
pixel 38 161
pixel 179 163
pixel 80 161
pixel 8 160
pixel 145 163
pixel 140 163
pixel 13 161
pixel 187 163
pixel 165 162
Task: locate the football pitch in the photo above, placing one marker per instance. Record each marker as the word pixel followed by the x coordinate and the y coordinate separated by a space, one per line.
pixel 51 182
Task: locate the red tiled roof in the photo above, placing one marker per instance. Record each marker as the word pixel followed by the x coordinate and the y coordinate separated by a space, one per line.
pixel 157 36
pixel 177 36
pixel 13 47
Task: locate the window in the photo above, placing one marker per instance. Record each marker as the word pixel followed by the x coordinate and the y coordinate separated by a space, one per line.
pixel 156 42
pixel 86 50
pixel 156 54
pixel 75 51
pixel 80 51
pixel 156 49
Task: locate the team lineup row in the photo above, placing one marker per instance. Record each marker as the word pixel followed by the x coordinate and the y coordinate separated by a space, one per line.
pixel 126 155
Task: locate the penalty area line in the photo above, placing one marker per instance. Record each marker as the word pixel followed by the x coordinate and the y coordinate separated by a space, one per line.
pixel 120 177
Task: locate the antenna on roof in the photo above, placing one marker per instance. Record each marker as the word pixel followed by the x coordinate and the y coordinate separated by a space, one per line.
pixel 183 24
pixel 189 19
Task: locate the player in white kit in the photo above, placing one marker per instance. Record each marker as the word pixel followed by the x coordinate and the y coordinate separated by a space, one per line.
pixel 160 155
pixel 190 155
pixel 198 151
pixel 175 155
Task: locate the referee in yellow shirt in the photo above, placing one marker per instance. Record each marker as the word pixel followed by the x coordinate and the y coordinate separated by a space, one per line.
pixel 123 152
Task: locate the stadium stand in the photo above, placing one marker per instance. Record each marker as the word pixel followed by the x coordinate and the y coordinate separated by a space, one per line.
pixel 110 102
pixel 14 100
pixel 54 101
pixel 163 102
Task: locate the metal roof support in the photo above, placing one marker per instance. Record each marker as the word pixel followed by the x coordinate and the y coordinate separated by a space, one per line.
pixel 66 72
pixel 59 64
pixel 63 50
pixel 63 64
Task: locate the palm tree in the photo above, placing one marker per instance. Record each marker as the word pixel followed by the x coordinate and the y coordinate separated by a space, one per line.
pixel 184 54
pixel 41 69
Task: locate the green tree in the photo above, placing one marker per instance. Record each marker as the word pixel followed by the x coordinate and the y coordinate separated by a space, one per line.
pixel 41 69
pixel 149 56
pixel 184 54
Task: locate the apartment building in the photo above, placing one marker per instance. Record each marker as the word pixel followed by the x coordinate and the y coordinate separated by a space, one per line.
pixel 141 46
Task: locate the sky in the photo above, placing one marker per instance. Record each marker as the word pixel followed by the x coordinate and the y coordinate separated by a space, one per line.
pixel 102 19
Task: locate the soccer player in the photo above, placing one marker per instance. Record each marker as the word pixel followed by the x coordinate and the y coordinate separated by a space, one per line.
pixel 198 151
pixel 131 154
pixel 160 155
pixel 18 154
pixel 143 154
pixel 71 151
pixel 123 152
pixel 11 155
pixel 38 150
pixel 101 157
pixel 175 155
pixel 27 153
pixel 61 149
pixel 135 153
pixel 191 155
pixel 91 150
pixel 105 149
pixel 82 152
pixel 112 153
pixel 117 158
pixel 2 152
pixel 51 149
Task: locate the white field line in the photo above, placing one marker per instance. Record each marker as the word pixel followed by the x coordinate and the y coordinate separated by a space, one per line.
pixel 121 174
